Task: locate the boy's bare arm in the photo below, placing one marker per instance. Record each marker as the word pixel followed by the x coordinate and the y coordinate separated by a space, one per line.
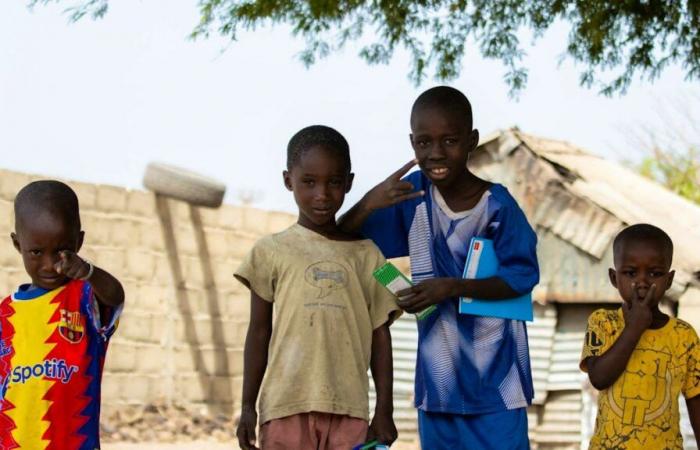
pixel 436 290
pixel 382 427
pixel 603 370
pixel 693 405
pixel 389 192
pixel 255 352
pixel 108 290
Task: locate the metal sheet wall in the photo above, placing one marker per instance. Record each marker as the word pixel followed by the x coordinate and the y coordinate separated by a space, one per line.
pixel 560 427
pixel 564 372
pixel 404 335
pixel 540 334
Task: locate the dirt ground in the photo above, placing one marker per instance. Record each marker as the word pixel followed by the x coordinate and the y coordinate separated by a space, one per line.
pixel 208 445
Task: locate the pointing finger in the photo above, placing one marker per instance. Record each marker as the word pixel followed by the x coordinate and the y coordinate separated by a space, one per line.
pixel 404 169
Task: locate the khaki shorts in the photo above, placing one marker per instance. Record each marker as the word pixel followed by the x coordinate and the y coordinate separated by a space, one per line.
pixel 313 431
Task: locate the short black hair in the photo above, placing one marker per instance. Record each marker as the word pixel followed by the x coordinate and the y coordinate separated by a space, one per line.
pixel 644 232
pixel 445 98
pixel 50 196
pixel 317 135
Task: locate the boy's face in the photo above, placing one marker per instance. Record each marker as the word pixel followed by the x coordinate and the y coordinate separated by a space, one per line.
pixel 643 263
pixel 442 143
pixel 39 240
pixel 319 181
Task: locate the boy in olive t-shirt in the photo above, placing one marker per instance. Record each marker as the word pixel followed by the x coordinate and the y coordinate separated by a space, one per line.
pixel 331 318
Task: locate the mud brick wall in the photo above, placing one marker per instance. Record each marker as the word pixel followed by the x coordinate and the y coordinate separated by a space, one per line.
pixel 182 333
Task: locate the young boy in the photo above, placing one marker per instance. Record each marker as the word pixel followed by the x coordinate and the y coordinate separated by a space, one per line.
pixel 639 358
pixel 54 330
pixel 331 318
pixel 473 380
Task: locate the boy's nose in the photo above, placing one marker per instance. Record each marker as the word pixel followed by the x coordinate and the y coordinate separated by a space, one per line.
pixel 48 263
pixel 437 152
pixel 642 281
pixel 321 192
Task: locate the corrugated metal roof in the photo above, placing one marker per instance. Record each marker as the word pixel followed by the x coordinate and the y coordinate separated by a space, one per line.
pixel 585 199
pixel 569 275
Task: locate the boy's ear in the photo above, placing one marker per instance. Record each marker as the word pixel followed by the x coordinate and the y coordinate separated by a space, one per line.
pixel 81 237
pixel 669 280
pixel 15 242
pixel 410 140
pixel 473 139
pixel 287 179
pixel 348 186
pixel 613 277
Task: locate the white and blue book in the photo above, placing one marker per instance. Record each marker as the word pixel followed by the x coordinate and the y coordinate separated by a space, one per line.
pixel 483 263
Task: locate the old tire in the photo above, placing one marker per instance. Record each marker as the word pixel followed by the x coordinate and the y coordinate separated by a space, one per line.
pixel 184 185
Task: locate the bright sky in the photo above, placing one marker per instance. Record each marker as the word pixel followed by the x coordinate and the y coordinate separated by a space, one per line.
pixel 97 100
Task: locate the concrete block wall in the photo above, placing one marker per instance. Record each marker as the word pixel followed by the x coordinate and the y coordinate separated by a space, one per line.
pixel 182 333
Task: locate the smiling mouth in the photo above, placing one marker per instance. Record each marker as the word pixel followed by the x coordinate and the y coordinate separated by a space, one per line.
pixel 438 172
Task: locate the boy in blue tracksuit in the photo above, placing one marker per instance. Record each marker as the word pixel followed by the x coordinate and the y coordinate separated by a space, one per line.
pixel 473 379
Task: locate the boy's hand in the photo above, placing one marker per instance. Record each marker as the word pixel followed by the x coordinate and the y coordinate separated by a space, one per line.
pixel 392 190
pixel 382 429
pixel 246 429
pixel 72 265
pixel 637 313
pixel 426 293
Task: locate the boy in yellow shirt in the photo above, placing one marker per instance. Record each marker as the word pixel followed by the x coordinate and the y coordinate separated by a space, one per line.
pixel 639 358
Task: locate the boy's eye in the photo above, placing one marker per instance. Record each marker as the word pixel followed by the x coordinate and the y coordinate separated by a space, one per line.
pixel 422 143
pixel 308 181
pixel 450 141
pixel 628 273
pixel 35 252
pixel 335 182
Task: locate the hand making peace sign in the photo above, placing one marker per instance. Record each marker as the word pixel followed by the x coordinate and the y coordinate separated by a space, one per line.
pixel 392 190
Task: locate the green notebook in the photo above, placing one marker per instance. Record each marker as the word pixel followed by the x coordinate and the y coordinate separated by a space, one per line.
pixel 391 278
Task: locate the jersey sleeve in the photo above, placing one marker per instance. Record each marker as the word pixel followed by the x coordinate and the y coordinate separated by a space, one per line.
pixel 257 271
pixel 515 243
pixel 691 386
pixel 598 337
pixel 382 303
pixel 386 228
pixel 104 318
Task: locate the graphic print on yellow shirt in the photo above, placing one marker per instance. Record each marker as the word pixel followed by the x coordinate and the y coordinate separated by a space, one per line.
pixel 640 410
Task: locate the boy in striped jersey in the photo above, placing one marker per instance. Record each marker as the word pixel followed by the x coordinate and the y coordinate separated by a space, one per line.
pixel 54 330
pixel 473 378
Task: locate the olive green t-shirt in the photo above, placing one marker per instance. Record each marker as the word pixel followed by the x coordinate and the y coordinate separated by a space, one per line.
pixel 326 306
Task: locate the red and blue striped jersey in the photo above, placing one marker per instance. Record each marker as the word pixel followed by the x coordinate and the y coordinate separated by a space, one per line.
pixel 52 350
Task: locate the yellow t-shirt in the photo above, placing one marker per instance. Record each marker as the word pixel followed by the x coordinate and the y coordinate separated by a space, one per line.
pixel 640 410
pixel 326 306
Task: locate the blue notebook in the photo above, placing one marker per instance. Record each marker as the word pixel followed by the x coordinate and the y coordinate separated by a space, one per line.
pixel 482 263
